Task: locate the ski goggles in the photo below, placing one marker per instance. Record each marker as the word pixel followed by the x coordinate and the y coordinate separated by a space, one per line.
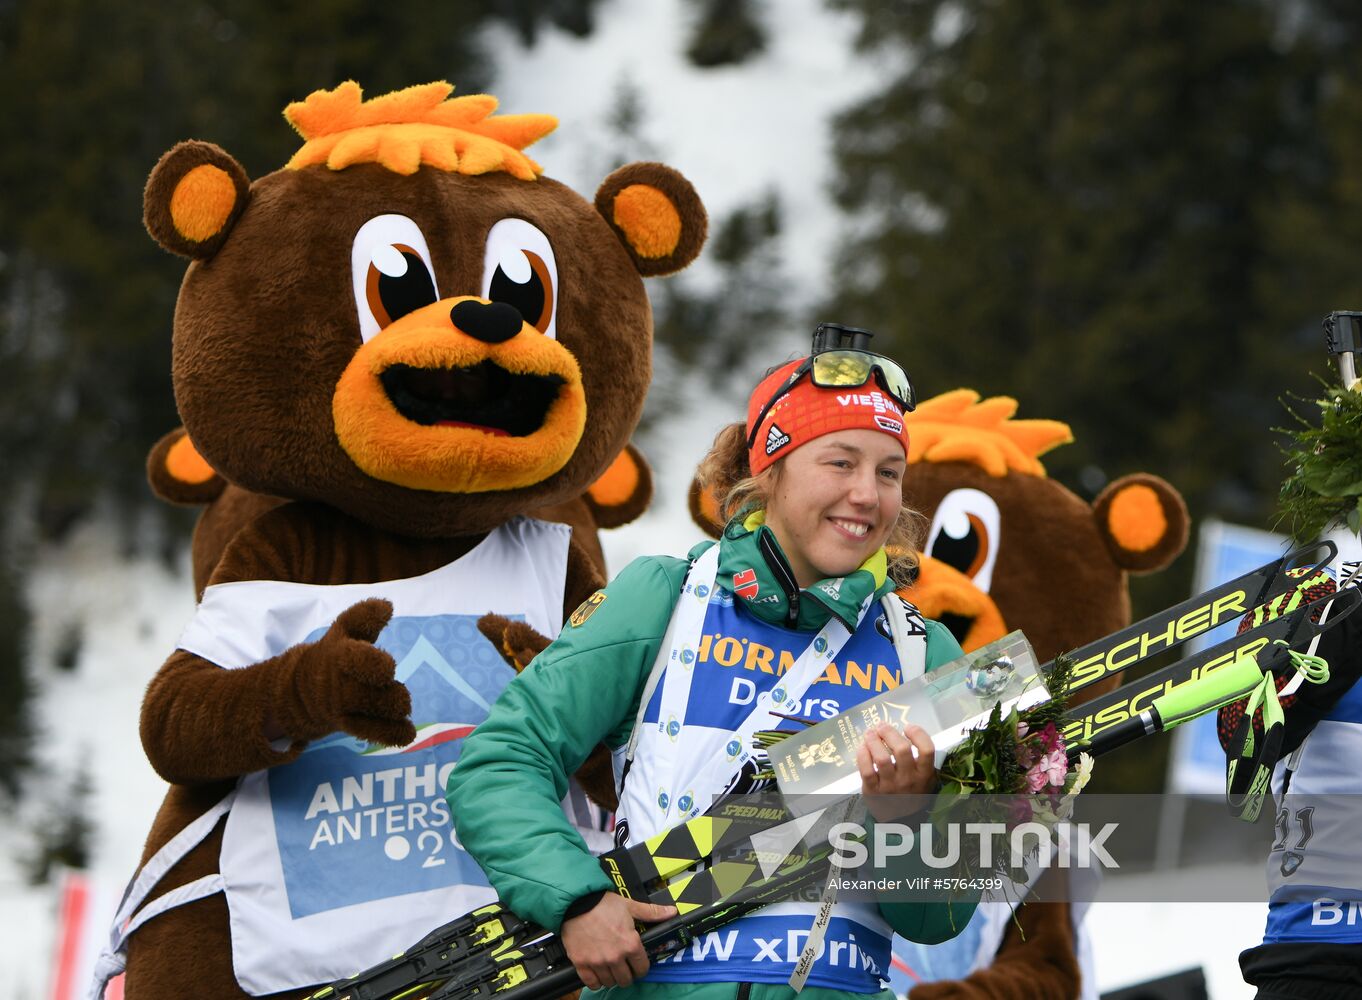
pixel 843 369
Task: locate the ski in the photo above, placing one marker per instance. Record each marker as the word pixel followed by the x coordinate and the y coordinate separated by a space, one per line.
pixel 1124 705
pixel 1193 617
pixel 657 870
pixel 640 870
pixel 543 972
pixel 435 957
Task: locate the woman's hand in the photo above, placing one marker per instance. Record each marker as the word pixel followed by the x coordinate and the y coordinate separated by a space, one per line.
pixel 889 767
pixel 603 943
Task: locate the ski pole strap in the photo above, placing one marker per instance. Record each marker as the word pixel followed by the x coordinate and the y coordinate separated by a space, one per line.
pixel 1252 758
pixel 1312 668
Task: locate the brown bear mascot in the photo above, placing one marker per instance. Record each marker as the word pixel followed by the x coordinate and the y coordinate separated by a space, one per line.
pixel 412 340
pixel 1009 548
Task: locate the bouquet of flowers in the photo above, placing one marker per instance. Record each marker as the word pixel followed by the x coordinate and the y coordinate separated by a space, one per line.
pixel 1011 769
pixel 1021 755
pixel 1324 486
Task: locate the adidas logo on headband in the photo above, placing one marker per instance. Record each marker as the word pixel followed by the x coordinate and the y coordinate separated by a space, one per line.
pixel 776 439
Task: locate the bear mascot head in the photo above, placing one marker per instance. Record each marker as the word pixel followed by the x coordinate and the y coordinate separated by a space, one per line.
pixel 394 359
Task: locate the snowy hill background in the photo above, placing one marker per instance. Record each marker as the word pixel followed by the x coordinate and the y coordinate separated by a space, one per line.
pixel 735 133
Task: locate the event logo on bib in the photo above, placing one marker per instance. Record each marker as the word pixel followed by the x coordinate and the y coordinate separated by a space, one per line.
pixel 357 822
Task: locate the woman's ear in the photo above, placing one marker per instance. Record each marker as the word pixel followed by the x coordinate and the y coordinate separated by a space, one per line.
pixel 193 197
pixel 1143 520
pixel 656 214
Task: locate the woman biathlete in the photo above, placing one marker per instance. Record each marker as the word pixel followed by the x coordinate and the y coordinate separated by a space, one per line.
pixel 783 615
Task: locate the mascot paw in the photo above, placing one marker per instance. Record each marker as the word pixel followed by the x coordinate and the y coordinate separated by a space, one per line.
pixel 597 778
pixel 344 682
pixel 517 642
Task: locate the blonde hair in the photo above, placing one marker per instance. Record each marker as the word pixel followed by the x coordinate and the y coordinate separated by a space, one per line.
pixel 725 473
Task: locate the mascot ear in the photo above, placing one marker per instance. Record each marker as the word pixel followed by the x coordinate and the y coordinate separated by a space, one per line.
pixel 194 196
pixel 656 214
pixel 623 491
pixel 703 501
pixel 178 473
pixel 704 510
pixel 1143 521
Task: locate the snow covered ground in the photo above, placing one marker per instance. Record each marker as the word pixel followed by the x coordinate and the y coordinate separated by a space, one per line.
pixel 734 133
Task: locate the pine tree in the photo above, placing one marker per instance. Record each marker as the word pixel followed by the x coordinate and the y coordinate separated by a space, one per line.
pixel 1313 222
pixel 1064 203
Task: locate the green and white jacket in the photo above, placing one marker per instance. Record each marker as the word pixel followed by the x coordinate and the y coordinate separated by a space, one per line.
pixel 586 689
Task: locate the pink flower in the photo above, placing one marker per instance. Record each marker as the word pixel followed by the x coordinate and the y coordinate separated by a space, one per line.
pixel 1055 766
pixel 1035 777
pixel 1049 737
pixel 1048 771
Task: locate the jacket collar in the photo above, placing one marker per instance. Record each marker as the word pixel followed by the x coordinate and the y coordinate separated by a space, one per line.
pixel 754 569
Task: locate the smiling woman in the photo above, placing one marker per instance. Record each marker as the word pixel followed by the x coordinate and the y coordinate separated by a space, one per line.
pixel 650 667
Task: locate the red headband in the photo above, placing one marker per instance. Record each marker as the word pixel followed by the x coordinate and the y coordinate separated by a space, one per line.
pixel 807 412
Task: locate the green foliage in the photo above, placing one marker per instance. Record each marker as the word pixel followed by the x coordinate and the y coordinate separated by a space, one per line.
pixel 1323 489
pixel 990 760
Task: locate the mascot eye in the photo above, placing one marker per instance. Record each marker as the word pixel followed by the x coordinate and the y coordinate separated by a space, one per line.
pixel 518 269
pixel 391 272
pixel 965 533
